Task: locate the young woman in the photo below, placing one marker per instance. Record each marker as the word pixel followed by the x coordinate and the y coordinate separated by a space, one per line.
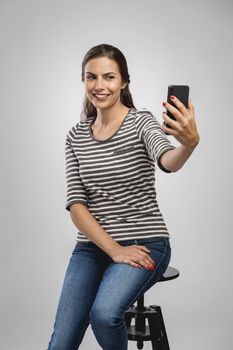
pixel 122 246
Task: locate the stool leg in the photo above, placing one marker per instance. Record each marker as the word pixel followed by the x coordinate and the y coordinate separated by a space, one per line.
pixel 162 327
pixel 154 326
pixel 140 325
pixel 128 319
pixel 140 344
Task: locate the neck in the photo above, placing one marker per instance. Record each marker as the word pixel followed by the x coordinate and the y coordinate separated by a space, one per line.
pixel 109 116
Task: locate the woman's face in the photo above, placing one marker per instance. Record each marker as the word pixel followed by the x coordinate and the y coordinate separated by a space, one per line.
pixel 103 82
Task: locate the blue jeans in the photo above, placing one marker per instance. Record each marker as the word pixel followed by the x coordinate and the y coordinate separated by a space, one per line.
pixel 98 291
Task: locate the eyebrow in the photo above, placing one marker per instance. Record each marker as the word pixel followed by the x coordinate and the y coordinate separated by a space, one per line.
pixel 103 74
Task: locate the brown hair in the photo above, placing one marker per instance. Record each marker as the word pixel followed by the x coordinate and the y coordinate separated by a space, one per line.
pixel 115 54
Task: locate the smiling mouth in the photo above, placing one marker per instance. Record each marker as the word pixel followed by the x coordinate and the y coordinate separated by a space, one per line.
pixel 101 97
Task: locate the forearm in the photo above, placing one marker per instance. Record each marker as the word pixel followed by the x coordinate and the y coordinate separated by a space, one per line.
pixel 174 159
pixel 89 226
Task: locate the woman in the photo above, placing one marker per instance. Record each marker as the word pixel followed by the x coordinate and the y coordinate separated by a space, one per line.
pixel 123 244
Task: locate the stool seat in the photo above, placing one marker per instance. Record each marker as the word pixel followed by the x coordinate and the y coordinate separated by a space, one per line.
pixel 170 274
pixel 155 331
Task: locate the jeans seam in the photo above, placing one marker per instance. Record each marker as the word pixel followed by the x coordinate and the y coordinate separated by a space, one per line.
pixel 157 266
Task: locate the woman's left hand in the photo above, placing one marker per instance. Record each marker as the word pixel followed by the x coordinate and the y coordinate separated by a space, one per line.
pixel 184 127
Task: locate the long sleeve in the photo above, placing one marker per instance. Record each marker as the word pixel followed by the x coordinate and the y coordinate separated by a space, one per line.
pixel 153 137
pixel 76 192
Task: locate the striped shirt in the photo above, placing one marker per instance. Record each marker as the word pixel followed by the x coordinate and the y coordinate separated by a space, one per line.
pixel 115 178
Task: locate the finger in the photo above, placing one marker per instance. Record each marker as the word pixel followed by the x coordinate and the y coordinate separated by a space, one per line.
pixel 141 256
pixel 191 106
pixel 174 111
pixel 145 261
pixel 144 251
pixel 143 248
pixel 146 264
pixel 147 257
pixel 172 123
pixel 168 130
pixel 132 263
pixel 178 104
pixel 135 265
pixel 138 266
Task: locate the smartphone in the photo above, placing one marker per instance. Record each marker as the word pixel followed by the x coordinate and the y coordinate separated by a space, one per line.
pixel 182 93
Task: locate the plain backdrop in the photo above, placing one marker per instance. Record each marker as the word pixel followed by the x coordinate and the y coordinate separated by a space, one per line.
pixel 165 42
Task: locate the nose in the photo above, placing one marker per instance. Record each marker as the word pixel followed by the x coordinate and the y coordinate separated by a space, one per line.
pixel 99 84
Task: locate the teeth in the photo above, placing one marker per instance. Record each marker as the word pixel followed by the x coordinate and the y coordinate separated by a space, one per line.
pixel 101 96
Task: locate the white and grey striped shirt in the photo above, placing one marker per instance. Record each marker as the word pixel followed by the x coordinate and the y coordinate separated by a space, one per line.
pixel 115 178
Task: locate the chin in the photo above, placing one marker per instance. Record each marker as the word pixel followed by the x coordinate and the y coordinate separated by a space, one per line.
pixel 103 105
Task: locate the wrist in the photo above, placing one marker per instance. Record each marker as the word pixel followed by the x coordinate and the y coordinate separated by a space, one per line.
pixel 195 141
pixel 192 145
pixel 112 248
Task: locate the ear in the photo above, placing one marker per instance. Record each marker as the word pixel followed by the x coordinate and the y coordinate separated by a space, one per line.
pixel 124 85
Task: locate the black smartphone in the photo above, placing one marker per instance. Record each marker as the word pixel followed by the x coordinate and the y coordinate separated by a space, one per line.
pixel 182 93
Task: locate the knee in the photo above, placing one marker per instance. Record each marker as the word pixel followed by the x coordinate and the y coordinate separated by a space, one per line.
pixel 102 317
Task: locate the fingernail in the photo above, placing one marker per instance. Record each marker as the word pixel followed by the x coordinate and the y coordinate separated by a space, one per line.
pixel 164 103
pixel 172 97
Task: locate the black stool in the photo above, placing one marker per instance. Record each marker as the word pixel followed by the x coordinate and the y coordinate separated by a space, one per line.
pixel 156 331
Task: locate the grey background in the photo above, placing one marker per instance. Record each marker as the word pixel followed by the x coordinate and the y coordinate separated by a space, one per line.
pixel 168 42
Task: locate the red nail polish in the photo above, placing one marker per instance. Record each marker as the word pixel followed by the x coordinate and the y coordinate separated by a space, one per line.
pixel 164 103
pixel 172 97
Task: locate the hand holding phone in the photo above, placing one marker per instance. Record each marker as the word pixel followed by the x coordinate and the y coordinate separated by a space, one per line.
pixel 182 93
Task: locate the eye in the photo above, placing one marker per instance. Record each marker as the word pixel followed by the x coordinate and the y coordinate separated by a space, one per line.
pixel 90 77
pixel 110 77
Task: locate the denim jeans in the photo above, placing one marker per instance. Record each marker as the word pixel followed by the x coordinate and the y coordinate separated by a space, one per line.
pixel 97 291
